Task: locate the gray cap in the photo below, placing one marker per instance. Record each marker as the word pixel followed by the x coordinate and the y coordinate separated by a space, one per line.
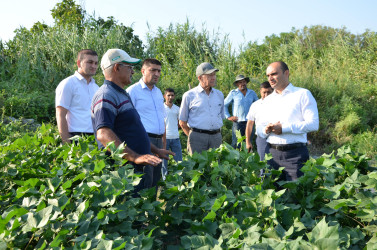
pixel 239 78
pixel 205 69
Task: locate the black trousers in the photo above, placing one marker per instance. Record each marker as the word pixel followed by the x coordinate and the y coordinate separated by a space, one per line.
pixel 292 160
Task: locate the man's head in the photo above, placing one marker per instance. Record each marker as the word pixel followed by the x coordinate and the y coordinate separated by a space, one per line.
pixel 206 74
pixel 169 95
pixel 151 70
pixel 265 89
pixel 278 75
pixel 87 63
pixel 241 82
pixel 117 66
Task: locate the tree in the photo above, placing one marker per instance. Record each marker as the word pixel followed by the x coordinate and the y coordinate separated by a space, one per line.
pixel 67 13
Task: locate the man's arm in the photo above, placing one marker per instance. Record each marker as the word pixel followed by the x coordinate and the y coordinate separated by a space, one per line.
pixel 249 136
pixel 62 123
pixel 162 153
pixel 227 101
pixel 106 135
pixel 184 127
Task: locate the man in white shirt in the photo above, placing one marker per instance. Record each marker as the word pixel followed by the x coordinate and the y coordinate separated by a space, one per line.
pixel 202 111
pixel 74 96
pixel 171 123
pixel 149 103
pixel 289 113
pixel 256 110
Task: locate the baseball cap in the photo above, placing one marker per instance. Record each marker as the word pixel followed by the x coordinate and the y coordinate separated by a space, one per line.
pixel 205 69
pixel 113 56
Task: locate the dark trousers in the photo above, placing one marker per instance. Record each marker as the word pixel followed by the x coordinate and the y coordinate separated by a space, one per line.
pixel 153 174
pixel 262 147
pixel 292 160
pixel 240 126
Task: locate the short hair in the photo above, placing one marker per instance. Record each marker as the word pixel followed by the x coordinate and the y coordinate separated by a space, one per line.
pixel 150 61
pixel 84 52
pixel 283 66
pixel 169 90
pixel 265 85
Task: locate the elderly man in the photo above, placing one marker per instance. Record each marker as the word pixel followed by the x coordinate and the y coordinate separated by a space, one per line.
pixel 256 109
pixel 115 118
pixel 202 111
pixel 149 103
pixel 241 99
pixel 74 96
pixel 289 113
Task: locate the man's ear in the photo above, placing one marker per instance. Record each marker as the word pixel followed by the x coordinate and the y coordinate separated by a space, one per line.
pixel 78 62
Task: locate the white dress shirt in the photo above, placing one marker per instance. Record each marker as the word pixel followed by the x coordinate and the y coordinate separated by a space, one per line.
pixel 75 94
pixel 255 111
pixel 296 109
pixel 202 111
pixel 150 106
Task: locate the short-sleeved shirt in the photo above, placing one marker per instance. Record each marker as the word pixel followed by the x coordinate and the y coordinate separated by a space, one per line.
pixel 255 111
pixel 150 105
pixel 171 121
pixel 202 111
pixel 75 94
pixel 112 108
pixel 240 103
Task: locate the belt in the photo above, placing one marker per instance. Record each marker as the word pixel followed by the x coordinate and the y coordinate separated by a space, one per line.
pixel 210 132
pixel 286 147
pixel 154 135
pixel 81 133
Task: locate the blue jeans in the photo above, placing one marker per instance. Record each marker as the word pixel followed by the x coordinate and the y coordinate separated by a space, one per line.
pixel 241 126
pixel 175 146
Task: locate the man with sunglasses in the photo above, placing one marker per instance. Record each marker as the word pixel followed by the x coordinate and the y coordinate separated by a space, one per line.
pixel 149 103
pixel 115 118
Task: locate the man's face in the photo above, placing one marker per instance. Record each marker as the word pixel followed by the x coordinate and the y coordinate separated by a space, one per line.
pixel 241 85
pixel 276 77
pixel 125 72
pixel 151 73
pixel 264 92
pixel 88 65
pixel 169 97
pixel 207 81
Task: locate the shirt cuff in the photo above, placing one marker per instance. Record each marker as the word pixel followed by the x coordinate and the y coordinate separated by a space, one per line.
pixel 285 128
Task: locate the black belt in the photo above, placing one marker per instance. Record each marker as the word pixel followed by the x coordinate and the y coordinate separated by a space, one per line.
pixel 286 147
pixel 210 132
pixel 81 133
pixel 155 136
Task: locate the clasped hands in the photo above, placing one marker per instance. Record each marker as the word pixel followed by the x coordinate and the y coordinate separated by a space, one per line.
pixel 275 128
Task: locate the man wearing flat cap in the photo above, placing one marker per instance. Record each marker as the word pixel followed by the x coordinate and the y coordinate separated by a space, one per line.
pixel 241 99
pixel 202 112
pixel 115 118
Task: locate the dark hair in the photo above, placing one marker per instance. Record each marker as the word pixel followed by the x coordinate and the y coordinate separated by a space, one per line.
pixel 83 52
pixel 150 61
pixel 283 66
pixel 265 85
pixel 169 90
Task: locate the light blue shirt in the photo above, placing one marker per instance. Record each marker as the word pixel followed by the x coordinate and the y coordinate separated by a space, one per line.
pixel 240 103
pixel 150 106
pixel 202 111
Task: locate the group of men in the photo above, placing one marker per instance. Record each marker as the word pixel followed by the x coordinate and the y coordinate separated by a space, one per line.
pixel 139 118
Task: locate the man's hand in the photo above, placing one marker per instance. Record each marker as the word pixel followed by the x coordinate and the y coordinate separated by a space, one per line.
pixel 275 128
pixel 147 160
pixel 233 118
pixel 249 147
pixel 164 153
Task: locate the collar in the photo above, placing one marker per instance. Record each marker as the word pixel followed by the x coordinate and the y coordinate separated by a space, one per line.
pixel 80 77
pixel 200 89
pixel 116 87
pixel 144 85
pixel 288 89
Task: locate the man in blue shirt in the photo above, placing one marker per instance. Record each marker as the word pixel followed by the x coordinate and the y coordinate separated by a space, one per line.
pixel 241 99
pixel 115 118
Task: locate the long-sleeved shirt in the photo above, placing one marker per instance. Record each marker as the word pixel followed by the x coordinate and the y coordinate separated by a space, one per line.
pixel 240 103
pixel 296 109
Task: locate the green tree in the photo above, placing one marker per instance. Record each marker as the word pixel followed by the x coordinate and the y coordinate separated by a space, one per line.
pixel 68 12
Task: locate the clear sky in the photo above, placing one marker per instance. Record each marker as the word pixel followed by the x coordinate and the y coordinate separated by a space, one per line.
pixel 242 20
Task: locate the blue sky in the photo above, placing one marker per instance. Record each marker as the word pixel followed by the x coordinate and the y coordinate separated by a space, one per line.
pixel 241 20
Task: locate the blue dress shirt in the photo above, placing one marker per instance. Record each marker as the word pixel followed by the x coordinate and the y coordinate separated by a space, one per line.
pixel 240 103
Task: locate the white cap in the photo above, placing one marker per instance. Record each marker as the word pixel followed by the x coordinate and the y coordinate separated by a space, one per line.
pixel 113 56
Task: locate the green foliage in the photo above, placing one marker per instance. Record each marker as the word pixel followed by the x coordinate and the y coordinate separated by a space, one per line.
pixel 71 196
pixel 68 13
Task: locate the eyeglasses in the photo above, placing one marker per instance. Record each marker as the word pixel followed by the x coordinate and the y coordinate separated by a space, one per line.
pixel 129 66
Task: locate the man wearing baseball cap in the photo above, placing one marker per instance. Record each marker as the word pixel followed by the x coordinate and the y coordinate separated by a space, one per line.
pixel 115 118
pixel 241 99
pixel 202 111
